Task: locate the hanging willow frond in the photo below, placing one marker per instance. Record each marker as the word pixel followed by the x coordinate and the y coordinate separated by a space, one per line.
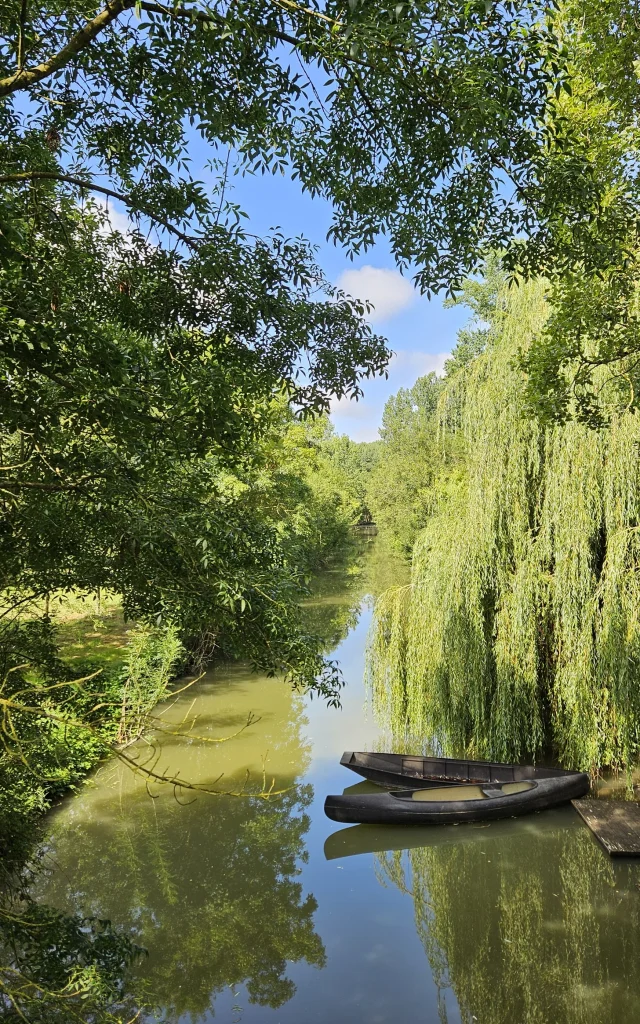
pixel 522 622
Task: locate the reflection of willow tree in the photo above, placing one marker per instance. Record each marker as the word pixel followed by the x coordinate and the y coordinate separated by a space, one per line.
pixel 526 928
pixel 210 890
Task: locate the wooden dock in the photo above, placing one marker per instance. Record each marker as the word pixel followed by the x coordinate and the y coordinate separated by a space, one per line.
pixel 615 823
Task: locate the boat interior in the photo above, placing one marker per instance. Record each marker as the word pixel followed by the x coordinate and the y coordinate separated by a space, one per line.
pixel 451 793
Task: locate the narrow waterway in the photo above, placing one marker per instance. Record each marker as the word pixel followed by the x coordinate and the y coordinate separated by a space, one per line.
pixel 261 911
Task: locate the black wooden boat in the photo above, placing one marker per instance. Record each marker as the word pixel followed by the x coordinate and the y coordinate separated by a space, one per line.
pixel 397 771
pixel 440 790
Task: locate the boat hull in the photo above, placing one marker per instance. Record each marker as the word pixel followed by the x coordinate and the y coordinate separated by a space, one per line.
pixel 398 771
pixel 400 808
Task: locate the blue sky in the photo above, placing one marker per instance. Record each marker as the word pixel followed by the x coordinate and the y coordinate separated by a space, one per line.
pixel 419 331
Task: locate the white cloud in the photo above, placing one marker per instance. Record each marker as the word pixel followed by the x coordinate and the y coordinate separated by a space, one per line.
pixel 366 433
pixel 350 409
pixel 387 290
pixel 118 220
pixel 419 363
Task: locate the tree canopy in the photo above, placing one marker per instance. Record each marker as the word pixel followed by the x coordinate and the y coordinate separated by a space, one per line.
pixel 410 118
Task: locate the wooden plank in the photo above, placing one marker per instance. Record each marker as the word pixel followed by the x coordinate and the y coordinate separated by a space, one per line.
pixel 615 823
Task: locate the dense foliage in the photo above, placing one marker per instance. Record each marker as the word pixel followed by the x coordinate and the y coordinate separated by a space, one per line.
pixel 139 401
pixel 519 629
pixel 60 716
pixel 57 718
pixel 142 371
pixel 399 487
pixel 520 626
pixel 415 460
pixel 348 466
pixel 594 298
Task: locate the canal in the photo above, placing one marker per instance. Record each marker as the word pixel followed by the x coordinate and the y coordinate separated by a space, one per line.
pixel 262 911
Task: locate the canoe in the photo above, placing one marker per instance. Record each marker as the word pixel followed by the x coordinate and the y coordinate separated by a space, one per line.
pixel 447 790
pixel 442 805
pixel 399 770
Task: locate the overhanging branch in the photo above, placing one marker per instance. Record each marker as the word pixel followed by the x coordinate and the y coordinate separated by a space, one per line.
pixel 25 77
pixel 21 176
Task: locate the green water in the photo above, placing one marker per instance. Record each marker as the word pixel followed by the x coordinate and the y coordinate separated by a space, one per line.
pixel 257 910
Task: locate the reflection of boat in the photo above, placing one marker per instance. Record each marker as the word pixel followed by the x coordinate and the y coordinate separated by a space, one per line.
pixel 447 790
pixel 363 839
pixel 400 770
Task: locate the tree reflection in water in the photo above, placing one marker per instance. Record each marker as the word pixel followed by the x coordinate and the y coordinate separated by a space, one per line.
pixel 526 923
pixel 209 888
pixel 217 904
pixel 60 968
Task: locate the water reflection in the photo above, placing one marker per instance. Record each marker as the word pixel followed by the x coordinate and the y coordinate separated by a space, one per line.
pixel 196 884
pixel 523 921
pixel 371 565
pixel 211 888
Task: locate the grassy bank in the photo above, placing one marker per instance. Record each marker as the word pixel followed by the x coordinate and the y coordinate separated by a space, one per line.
pixel 76 682
pixel 74 686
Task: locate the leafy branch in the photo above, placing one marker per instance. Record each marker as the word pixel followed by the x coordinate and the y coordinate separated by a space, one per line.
pixel 24 78
pixel 91 186
pixel 13 705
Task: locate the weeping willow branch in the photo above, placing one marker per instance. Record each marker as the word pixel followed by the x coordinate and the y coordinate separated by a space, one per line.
pixel 521 626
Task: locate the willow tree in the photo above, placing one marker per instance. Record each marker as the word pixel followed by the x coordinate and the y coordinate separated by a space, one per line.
pixel 521 624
